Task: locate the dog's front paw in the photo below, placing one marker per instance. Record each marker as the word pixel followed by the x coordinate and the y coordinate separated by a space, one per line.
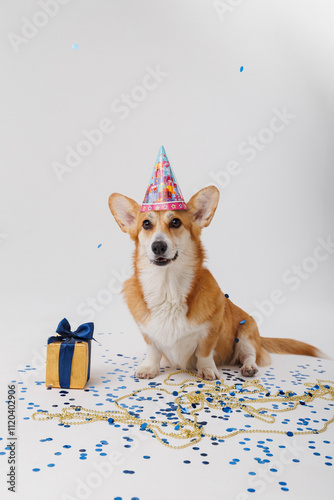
pixel 249 369
pixel 208 373
pixel 147 371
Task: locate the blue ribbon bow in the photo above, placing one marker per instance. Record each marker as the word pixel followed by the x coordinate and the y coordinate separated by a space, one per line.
pixel 68 339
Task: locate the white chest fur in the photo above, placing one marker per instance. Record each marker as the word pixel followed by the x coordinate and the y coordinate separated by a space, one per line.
pixel 165 292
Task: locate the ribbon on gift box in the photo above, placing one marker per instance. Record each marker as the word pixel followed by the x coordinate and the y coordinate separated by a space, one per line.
pixel 68 339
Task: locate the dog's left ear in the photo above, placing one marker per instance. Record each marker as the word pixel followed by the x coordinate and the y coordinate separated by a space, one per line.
pixel 202 205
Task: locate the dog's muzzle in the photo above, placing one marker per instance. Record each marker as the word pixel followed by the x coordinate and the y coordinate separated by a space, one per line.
pixel 162 261
pixel 159 248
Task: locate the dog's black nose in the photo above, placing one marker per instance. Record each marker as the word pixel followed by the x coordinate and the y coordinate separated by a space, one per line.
pixel 159 247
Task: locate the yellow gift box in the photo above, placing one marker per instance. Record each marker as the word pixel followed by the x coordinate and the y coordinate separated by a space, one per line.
pixel 79 368
pixel 68 356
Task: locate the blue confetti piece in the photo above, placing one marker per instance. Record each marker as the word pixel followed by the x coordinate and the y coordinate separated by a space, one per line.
pixel 99 246
pixel 289 433
pixel 227 295
pixel 75 46
pixel 110 421
pixel 236 340
pixel 241 70
pixel 143 426
pixel 242 322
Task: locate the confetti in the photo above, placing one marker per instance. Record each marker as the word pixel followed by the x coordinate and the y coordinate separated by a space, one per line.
pixel 222 418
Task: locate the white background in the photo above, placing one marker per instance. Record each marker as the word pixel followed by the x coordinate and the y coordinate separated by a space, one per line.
pixel 204 111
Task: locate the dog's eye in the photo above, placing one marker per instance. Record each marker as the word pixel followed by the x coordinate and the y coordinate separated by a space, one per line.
pixel 175 223
pixel 147 224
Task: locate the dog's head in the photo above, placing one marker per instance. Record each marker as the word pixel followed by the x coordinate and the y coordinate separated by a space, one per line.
pixel 163 237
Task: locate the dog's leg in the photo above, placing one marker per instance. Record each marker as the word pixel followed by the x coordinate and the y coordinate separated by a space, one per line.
pixel 206 365
pixel 247 356
pixel 249 350
pixel 150 367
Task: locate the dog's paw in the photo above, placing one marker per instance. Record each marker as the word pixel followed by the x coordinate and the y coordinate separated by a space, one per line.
pixel 208 373
pixel 147 371
pixel 249 369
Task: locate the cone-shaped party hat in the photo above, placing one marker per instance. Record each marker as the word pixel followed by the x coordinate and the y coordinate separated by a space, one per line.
pixel 163 192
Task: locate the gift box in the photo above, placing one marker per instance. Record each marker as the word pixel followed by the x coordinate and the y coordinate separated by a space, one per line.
pixel 68 356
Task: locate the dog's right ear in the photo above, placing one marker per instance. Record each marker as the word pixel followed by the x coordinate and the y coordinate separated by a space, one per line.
pixel 125 211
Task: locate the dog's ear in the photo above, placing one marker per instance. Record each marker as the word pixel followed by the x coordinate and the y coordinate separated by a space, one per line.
pixel 202 205
pixel 125 211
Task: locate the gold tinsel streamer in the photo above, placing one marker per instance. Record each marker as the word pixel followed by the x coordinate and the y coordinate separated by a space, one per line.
pixel 202 394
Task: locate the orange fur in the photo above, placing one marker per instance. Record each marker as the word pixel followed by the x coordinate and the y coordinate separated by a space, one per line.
pixel 205 302
pixel 289 346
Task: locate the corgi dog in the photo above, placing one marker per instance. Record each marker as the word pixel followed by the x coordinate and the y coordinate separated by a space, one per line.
pixel 176 302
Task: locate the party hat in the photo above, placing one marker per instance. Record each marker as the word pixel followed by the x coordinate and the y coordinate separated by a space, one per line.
pixel 163 192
